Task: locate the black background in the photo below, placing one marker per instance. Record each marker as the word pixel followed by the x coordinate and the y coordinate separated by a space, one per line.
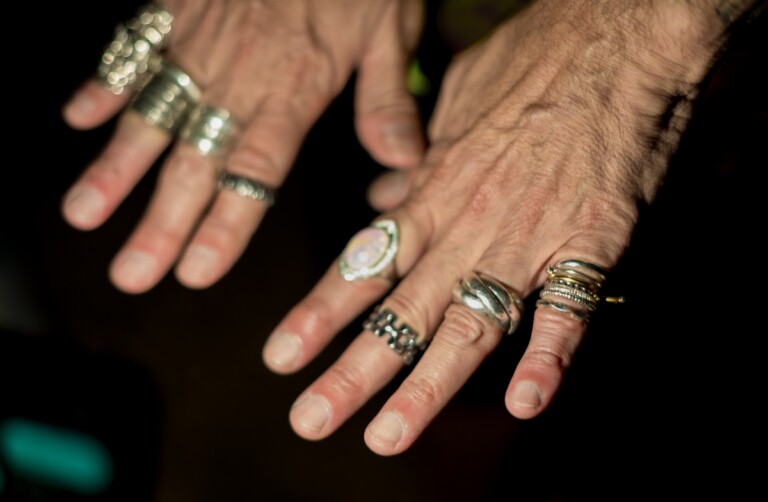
pixel 665 393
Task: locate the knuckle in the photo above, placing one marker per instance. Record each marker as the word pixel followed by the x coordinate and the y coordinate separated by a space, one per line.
pixel 254 161
pixel 190 171
pixel 424 392
pixel 415 314
pixel 346 380
pixel 463 328
pixel 316 315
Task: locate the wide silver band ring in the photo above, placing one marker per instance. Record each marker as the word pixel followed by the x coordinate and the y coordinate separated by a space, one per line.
pixel 168 97
pixel 131 58
pixel 246 187
pixel 211 130
pixel 399 336
pixel 491 298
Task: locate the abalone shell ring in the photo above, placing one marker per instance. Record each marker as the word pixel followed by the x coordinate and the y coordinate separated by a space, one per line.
pixel 371 252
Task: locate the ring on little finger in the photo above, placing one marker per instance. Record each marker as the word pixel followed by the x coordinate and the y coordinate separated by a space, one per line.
pixel 491 298
pixel 371 252
pixel 400 337
pixel 167 99
pixel 573 287
pixel 132 56
pixel 247 187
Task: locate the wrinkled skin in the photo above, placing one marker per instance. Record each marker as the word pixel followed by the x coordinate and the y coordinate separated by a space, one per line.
pixel 276 65
pixel 547 137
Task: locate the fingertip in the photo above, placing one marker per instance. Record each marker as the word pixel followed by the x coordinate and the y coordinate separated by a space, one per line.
pixel 524 399
pixel 134 271
pixel 84 207
pixel 91 106
pixel 199 268
pixel 310 417
pixel 388 191
pixel 395 143
pixel 384 435
pixel 282 352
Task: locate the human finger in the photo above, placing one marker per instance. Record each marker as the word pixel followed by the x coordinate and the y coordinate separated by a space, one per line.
pixel 571 293
pixel 127 63
pixel 373 259
pixel 386 114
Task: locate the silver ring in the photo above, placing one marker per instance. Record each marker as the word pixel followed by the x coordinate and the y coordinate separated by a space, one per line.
pixel 371 251
pixel 399 337
pixel 131 58
pixel 490 298
pixel 211 130
pixel 166 100
pixel 246 187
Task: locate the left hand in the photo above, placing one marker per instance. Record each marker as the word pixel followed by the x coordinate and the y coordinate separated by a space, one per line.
pixel 546 139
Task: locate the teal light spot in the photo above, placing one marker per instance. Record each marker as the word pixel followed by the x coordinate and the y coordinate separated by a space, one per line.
pixel 54 456
pixel 417 82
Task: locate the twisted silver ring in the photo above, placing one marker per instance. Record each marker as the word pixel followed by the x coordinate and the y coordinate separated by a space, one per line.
pixel 246 187
pixel 490 298
pixel 400 337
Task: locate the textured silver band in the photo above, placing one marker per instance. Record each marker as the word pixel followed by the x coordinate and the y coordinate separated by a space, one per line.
pixel 399 337
pixel 246 187
pixel 131 58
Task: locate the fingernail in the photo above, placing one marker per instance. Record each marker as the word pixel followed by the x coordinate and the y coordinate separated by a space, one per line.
pixel 80 106
pixel 312 412
pixel 84 206
pixel 388 428
pixel 135 268
pixel 199 264
pixel 525 394
pixel 402 139
pixel 283 349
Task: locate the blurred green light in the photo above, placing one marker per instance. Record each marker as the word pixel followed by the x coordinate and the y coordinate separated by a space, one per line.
pixel 418 83
pixel 57 457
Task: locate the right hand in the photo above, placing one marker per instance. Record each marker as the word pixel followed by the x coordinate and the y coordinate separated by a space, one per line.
pixel 275 66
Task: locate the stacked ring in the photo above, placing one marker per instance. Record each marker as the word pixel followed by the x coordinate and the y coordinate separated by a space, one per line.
pixel 166 100
pixel 573 287
pixel 132 57
pixel 490 298
pixel 399 337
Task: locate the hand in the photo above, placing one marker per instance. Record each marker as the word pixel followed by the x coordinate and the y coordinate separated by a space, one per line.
pixel 274 66
pixel 546 139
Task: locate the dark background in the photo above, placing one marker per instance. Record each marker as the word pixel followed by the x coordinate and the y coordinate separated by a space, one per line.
pixel 664 396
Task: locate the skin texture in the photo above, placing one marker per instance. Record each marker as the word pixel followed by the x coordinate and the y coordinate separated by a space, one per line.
pixel 547 138
pixel 276 66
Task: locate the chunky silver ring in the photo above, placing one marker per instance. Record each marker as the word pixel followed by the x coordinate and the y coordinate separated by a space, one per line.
pixel 246 187
pixel 490 298
pixel 166 100
pixel 399 337
pixel 210 129
pixel 371 251
pixel 132 57
pixel 573 287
